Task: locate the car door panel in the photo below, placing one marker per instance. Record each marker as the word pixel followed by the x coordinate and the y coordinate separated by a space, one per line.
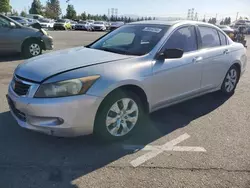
pixel 176 79
pixel 216 59
pixel 214 67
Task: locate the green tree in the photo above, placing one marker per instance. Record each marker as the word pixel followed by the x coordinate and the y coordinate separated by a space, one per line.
pixel 83 16
pixel 222 22
pixel 5 6
pixel 229 20
pixel 204 20
pixel 23 13
pixel 36 7
pixel 104 17
pixel 70 12
pixel 129 20
pixel 154 18
pixel 138 19
pixel 53 9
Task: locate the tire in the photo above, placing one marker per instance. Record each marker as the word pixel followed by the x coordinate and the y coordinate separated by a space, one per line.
pixel 103 131
pixel 27 47
pixel 231 80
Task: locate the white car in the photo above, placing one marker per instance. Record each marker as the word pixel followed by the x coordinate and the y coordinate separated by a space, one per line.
pixel 46 23
pixel 83 25
pixel 99 26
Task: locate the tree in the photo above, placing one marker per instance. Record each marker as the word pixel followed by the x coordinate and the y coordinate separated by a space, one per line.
pixel 53 9
pixel 229 20
pixel 154 18
pixel 70 12
pixel 129 20
pixel 23 13
pixel 138 19
pixel 5 6
pixel 146 18
pixel 222 22
pixel 149 18
pixel 204 20
pixel 14 12
pixel 83 16
pixel 36 7
pixel 104 17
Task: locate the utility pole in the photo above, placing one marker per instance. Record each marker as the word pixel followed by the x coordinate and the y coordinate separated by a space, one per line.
pixel 237 16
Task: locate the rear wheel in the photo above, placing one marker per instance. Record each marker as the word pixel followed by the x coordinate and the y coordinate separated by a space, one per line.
pixel 31 48
pixel 119 116
pixel 231 80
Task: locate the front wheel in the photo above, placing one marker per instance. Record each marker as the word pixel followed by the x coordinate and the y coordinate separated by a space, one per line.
pixel 119 116
pixel 231 80
pixel 31 48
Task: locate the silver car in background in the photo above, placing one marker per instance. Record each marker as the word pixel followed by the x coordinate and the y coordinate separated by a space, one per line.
pixel 15 37
pixel 109 86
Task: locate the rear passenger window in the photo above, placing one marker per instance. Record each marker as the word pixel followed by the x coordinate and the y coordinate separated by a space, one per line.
pixel 223 39
pixel 209 37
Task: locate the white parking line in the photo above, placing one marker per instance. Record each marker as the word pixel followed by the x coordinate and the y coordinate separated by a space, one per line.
pixel 156 150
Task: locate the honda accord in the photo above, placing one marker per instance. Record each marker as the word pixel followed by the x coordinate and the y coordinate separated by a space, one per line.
pixel 109 86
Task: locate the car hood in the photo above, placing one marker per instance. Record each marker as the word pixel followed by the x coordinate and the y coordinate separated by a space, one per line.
pixel 41 67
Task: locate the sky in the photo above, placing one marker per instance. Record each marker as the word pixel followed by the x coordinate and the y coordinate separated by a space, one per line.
pixel 155 8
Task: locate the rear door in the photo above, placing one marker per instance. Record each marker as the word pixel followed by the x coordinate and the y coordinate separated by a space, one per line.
pixel 216 57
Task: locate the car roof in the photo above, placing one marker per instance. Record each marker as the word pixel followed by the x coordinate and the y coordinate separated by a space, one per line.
pixel 171 23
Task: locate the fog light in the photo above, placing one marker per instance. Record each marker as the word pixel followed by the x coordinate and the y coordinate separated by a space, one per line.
pixel 44 121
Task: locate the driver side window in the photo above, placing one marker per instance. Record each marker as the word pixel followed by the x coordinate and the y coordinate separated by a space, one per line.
pixel 120 39
pixel 184 39
pixel 4 23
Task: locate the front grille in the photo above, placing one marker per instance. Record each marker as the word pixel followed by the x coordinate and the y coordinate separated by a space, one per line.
pixel 20 88
pixel 20 115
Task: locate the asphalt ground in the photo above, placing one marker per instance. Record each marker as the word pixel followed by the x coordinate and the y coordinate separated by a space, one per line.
pixel 203 142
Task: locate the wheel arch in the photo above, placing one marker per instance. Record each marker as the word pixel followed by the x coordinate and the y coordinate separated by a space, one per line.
pixel 32 38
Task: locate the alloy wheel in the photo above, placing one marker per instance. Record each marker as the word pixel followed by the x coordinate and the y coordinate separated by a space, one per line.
pixel 34 49
pixel 122 117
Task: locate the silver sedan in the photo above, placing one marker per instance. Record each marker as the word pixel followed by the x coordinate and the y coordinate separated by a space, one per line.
pixel 109 86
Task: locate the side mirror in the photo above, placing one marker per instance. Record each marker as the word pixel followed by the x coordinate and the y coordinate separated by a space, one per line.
pixel 171 54
pixel 12 25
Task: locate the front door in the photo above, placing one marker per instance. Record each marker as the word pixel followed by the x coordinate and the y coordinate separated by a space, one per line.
pixel 176 79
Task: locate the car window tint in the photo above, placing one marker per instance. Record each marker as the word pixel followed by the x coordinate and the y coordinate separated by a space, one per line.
pixel 209 37
pixel 4 23
pixel 184 38
pixel 223 39
pixel 120 39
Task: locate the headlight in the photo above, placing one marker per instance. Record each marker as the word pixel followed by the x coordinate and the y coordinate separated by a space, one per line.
pixel 66 88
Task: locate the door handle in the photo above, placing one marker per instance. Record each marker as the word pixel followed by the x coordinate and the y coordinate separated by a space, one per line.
pixel 197 59
pixel 226 51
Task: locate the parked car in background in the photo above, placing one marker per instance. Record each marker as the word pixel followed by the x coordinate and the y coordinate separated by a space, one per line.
pixel 21 20
pixel 62 24
pixel 83 25
pixel 98 26
pixel 46 23
pixel 15 37
pixel 73 24
pixel 115 25
pixel 35 16
pixel 228 30
pixel 107 87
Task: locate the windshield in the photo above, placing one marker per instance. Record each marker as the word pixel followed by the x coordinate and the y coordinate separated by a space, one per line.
pixel 82 22
pixel 132 39
pixel 61 20
pixel 44 20
pixel 98 22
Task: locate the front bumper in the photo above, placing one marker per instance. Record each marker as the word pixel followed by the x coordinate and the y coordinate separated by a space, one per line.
pixel 48 42
pixel 76 114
